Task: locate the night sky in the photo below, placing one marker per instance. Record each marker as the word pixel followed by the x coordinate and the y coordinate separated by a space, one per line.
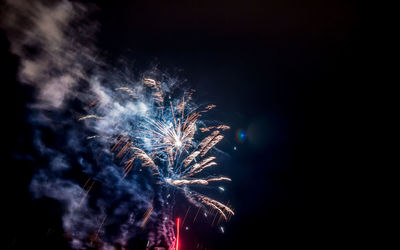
pixel 273 68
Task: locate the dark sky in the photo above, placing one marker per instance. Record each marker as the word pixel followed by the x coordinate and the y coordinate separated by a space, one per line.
pixel 273 68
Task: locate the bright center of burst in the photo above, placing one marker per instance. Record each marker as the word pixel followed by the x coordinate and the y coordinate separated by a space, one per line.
pixel 178 143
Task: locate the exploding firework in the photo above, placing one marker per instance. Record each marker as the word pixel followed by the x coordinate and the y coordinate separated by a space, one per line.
pixel 166 136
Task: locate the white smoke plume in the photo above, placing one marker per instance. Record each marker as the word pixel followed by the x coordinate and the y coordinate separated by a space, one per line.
pixel 51 40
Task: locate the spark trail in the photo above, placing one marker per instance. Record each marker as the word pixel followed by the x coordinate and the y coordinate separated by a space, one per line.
pixel 177 233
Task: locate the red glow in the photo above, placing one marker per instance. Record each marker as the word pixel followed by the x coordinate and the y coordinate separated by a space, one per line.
pixel 177 233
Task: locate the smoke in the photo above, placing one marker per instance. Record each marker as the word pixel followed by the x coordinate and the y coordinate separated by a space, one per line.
pixel 55 43
pixel 51 40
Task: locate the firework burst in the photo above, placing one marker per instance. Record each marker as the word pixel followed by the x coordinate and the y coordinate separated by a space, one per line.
pixel 168 137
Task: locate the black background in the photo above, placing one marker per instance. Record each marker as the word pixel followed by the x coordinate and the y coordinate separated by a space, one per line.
pixel 284 65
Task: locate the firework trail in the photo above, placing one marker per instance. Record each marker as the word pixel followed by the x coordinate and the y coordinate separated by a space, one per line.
pixel 135 140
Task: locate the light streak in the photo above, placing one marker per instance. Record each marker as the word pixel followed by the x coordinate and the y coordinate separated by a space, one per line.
pixel 127 90
pixel 149 211
pixel 92 137
pixel 87 192
pixel 177 233
pixel 184 218
pixel 198 210
pixel 181 182
pixel 101 225
pixel 90 117
pixel 84 185
pixel 147 214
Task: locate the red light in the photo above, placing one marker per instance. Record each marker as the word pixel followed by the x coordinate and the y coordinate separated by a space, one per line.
pixel 177 233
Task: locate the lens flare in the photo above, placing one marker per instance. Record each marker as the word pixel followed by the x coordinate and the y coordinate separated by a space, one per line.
pixel 241 135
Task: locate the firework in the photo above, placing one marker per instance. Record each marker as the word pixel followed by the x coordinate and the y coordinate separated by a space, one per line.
pixel 165 139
